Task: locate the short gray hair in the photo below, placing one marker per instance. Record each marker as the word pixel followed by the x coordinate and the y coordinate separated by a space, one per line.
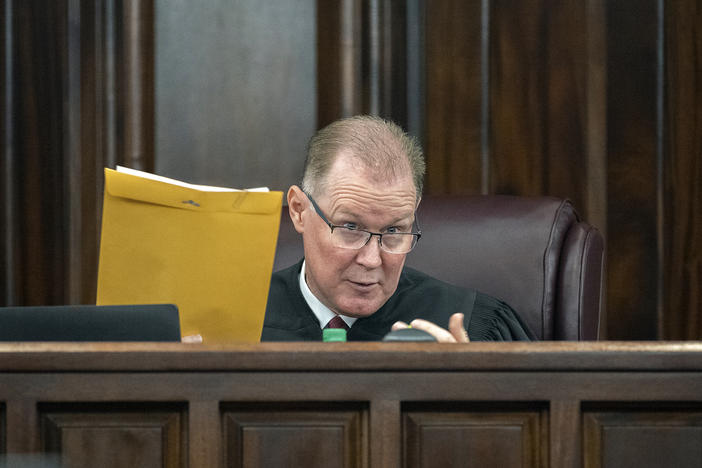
pixel 373 142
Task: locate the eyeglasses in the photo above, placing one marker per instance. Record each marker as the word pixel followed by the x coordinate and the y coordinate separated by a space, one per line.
pixel 347 237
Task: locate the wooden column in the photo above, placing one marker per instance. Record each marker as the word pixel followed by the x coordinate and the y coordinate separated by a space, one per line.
pixel 77 90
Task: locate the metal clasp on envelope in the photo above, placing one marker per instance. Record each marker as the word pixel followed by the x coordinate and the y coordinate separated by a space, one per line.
pixel 191 202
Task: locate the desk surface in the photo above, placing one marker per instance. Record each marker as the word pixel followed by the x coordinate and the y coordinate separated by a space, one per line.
pixel 540 356
pixel 355 404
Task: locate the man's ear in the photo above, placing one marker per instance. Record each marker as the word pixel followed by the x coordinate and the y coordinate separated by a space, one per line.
pixel 297 203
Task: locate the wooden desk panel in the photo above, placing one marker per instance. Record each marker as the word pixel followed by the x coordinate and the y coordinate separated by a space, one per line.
pixel 354 404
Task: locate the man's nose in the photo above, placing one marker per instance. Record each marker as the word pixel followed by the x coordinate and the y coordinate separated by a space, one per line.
pixel 369 254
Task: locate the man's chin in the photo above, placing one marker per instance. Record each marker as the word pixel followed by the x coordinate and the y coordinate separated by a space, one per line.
pixel 360 310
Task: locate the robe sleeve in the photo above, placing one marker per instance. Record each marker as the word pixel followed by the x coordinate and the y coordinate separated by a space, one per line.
pixel 494 320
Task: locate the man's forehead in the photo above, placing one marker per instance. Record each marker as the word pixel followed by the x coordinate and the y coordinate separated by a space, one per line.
pixel 349 192
pixel 372 203
pixel 348 169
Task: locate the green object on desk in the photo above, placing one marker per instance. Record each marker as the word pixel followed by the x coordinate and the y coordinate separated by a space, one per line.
pixel 333 334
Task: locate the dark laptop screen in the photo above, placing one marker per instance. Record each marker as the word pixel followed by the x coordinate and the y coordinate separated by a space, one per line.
pixel 144 322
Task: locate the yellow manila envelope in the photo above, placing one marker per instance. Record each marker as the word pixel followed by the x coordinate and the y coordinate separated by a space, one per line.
pixel 208 250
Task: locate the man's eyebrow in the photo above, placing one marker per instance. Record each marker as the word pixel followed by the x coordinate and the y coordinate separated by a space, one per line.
pixel 403 220
pixel 410 215
pixel 344 215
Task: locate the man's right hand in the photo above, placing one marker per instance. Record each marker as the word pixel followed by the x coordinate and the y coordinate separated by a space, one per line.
pixel 455 334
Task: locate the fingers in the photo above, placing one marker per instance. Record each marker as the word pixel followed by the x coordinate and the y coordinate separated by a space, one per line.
pixel 399 326
pixel 191 339
pixel 458 331
pixel 441 334
pixel 455 334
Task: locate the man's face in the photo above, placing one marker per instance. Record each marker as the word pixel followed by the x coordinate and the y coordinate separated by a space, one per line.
pixel 356 282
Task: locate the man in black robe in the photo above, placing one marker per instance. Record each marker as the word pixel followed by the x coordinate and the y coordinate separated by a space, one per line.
pixel 355 210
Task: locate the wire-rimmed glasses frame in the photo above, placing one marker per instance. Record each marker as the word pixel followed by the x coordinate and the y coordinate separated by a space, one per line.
pixel 354 238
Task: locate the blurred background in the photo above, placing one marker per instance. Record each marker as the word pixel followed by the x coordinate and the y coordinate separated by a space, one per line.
pixel 598 101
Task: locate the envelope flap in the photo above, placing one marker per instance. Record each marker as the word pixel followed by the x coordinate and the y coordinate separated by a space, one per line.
pixel 118 184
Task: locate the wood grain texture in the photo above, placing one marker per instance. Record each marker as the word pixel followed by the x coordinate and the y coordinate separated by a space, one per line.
pixel 339 49
pixel 566 98
pixel 204 433
pixel 574 111
pixel 454 124
pixel 86 146
pixel 494 436
pixel 518 106
pixel 113 435
pixel 384 59
pixel 542 356
pixel 386 438
pixel 347 405
pixel 632 210
pixel 21 412
pixel 545 98
pixel 650 437
pixel 395 79
pixel 69 88
pixel 361 59
pixel 565 433
pixel 85 141
pixel 39 130
pixel 682 172
pixel 138 83
pixel 325 435
pixel 595 209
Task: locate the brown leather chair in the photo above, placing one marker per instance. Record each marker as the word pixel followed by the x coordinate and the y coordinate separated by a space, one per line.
pixel 532 252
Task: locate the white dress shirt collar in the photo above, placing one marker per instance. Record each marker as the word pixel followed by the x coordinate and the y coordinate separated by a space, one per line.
pixel 322 312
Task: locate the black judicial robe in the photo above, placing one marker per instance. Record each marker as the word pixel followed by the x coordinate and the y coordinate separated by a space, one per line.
pixel 289 318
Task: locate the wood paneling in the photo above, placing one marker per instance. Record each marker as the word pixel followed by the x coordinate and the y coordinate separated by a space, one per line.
pixel 595 208
pixel 386 405
pixel 38 199
pixel 632 169
pixel 515 95
pixel 454 68
pixel 681 224
pixel 113 436
pixel 386 79
pixel 137 61
pixel 323 435
pixel 568 98
pixel 88 137
pixel 362 59
pixel 566 448
pixel 517 103
pixel 339 73
pixel 566 129
pixel 486 438
pixel 642 439
pixel 509 97
pixel 79 85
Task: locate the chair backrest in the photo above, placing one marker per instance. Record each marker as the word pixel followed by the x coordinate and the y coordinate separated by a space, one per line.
pixel 532 252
